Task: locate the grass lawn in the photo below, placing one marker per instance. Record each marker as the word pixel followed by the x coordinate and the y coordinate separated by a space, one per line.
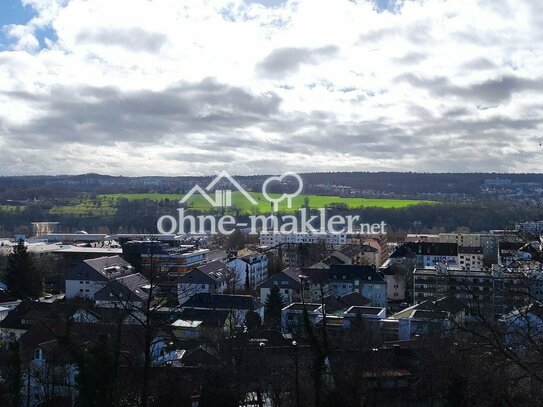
pixel 240 203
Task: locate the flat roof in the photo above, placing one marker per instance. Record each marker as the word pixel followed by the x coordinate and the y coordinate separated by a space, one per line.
pixel 75 249
pixel 181 323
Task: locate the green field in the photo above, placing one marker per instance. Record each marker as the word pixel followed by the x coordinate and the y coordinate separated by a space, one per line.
pixel 12 208
pixel 87 207
pixel 241 204
pixel 107 205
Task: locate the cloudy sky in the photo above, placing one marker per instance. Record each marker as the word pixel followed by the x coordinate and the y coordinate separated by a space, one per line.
pixel 176 87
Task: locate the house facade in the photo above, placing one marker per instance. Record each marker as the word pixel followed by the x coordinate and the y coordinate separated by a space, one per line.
pixel 90 276
pixel 249 270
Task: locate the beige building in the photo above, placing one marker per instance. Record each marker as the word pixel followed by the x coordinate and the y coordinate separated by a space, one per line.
pixel 461 239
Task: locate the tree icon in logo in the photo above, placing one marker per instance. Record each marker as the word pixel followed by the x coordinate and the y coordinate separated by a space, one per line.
pixel 288 197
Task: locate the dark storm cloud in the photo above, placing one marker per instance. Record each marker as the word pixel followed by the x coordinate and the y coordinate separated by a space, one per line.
pixel 97 116
pixel 284 61
pixel 134 39
pixel 491 91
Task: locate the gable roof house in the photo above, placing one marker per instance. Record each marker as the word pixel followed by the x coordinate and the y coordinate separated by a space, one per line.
pixel 238 305
pixel 123 292
pixel 30 313
pixel 289 283
pixel 209 278
pixel 90 276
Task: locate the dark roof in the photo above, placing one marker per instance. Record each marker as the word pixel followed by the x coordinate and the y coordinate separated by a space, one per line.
pixel 5 297
pixel 131 286
pixel 351 272
pixel 212 272
pixel 367 248
pixel 100 269
pixel 223 301
pixel 470 250
pixel 351 251
pixel 339 271
pixel 290 275
pixel 365 310
pixel 46 333
pixel 433 249
pixel 316 275
pixel 28 313
pixel 427 314
pixel 210 318
pixel 345 302
pixel 402 251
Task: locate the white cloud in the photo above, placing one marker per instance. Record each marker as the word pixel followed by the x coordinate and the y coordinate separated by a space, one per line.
pixel 169 87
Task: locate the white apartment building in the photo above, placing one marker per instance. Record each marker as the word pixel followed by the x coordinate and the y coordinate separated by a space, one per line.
pixel 276 238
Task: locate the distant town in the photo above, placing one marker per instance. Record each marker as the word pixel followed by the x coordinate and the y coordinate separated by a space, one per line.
pixel 137 317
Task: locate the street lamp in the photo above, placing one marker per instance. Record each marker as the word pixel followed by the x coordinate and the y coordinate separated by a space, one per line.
pixel 303 279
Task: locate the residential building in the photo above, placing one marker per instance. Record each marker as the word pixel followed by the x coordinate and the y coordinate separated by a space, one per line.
pixel 173 261
pixel 396 284
pixel 292 316
pixel 210 278
pixel 250 269
pixel 238 305
pixel 90 276
pixel 275 238
pixel 470 257
pixel 127 292
pixel 495 291
pixel 289 283
pixel 338 305
pixel 28 313
pixel 427 318
pixel 429 254
pixel 339 280
pixel 461 239
pixel 416 237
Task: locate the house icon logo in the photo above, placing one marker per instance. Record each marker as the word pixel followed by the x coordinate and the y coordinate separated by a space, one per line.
pixel 223 198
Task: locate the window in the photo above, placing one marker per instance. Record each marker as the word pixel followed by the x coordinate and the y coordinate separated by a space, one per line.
pixel 80 290
pixel 203 286
pixel 81 282
pixel 395 294
pixel 37 354
pixel 87 290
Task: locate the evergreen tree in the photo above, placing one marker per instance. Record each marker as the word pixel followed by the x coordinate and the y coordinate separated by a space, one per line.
pixel 22 277
pixel 252 320
pixel 273 306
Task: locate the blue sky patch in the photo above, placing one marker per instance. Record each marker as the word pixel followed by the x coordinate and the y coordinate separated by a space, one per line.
pixel 13 12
